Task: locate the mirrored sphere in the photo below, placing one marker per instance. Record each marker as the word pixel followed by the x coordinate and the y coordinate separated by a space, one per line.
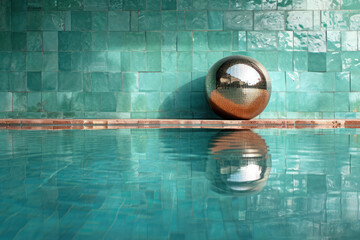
pixel 238 87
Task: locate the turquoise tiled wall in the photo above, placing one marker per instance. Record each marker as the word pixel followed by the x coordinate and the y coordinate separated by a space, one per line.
pixel 149 58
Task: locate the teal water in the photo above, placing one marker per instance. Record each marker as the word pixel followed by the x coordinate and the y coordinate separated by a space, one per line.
pixel 180 184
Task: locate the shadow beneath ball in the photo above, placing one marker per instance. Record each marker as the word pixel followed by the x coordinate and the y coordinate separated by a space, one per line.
pixel 187 102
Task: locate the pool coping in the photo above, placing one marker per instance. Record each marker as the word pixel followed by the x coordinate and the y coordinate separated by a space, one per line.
pixel 57 124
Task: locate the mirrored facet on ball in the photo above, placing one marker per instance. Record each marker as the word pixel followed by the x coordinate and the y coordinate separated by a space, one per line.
pixel 238 87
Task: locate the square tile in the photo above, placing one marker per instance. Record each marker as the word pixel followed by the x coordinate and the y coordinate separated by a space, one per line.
pixel 115 81
pixel 4 81
pixel 34 20
pixel 99 41
pixel 19 41
pixel 70 81
pixel 168 4
pixel 333 40
pixel 50 41
pixel 54 21
pixel 34 41
pixel 49 81
pixel 18 61
pixel 17 82
pixel 48 101
pixel 335 20
pixel 317 62
pixel 169 20
pixel 269 20
pixel 299 20
pixel 184 61
pixel 196 20
pixel 150 21
pixel 119 21
pixel 333 62
pixel 34 102
pixel 342 81
pixel 215 19
pixel 99 21
pixel 50 61
pixel 114 61
pixel 34 61
pixel 20 102
pixel 18 21
pixel 238 20
pixel 219 41
pixel 99 82
pixel 184 41
pixel 130 82
pixel 153 41
pixel 349 41
pixel 149 82
pixel 34 81
pixel 123 102
pixel 5 101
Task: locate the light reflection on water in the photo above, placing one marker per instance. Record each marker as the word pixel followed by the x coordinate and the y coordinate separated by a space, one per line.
pixel 180 184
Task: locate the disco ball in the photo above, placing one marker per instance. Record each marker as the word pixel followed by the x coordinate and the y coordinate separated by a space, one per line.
pixel 238 87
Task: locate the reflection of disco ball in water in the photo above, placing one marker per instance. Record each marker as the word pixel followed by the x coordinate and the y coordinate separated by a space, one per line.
pixel 238 87
pixel 239 162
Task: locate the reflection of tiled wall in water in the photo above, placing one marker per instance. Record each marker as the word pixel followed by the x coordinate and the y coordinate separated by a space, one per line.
pixel 125 184
pixel 148 58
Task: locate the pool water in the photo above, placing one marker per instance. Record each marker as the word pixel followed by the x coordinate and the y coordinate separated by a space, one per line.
pixel 180 184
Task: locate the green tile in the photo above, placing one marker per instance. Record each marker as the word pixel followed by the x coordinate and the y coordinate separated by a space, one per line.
pixel 342 81
pixel 5 61
pixel 292 81
pixel 138 61
pixel 50 41
pixel 18 21
pixel 74 41
pixel 55 21
pixel 333 62
pixel 70 4
pixel 99 82
pixel 19 102
pixel 64 61
pixel 153 61
pixel 333 41
pixel 50 61
pixel 341 101
pixel 349 41
pixel 153 41
pixel 68 21
pixel 18 61
pixel 200 41
pixel 196 20
pixel 99 21
pixel 150 21
pixel 310 81
pixel 123 103
pixel 115 4
pixel 300 41
pixel 63 100
pixel 130 82
pixel 168 41
pixel 317 62
pixel 77 61
pixel 138 102
pixel 167 101
pixel 284 4
pixel 169 20
pixel 354 99
pixel 34 20
pixel 184 41
pixel 285 40
pixel 152 101
pixel 239 41
pixel 34 41
pixel 277 81
pixel 96 4
pixel 34 102
pixel 269 5
pixel 215 19
pixel 317 41
pixel 134 5
pixel 115 82
pixel 99 41
pixel 200 4
pixel 5 101
pixel 238 20
pixel 18 5
pixel 259 41
pixel 355 81
pixel 4 81
pixel 245 4
pixel 70 81
pixel 220 5
pixel 269 20
pixel 134 21
pixel 169 82
pixel 301 61
pixel 323 102
pixel 80 21
pixel 133 41
pixel 34 81
pixel 335 20
pixel 149 82
pixel 184 81
pixel 34 61
pixel 114 39
pixel 299 20
pixel 48 101
pixel 213 57
pixel 321 4
pixel 114 61
pixel 350 4
pixel 354 20
pixel 285 61
pixel 200 61
pixel 19 41
pixel 350 61
pixel 198 81
pixel 153 5
pixel 17 81
pixel 168 61
pixel 92 102
pixel 276 102
pixel 184 4
pixel 219 41
pixel 168 4
pixel 184 61
pixel 182 101
pixel 125 61
pixel 108 102
pixel 49 81
pixel 97 61
pixel 119 21
pixel 87 82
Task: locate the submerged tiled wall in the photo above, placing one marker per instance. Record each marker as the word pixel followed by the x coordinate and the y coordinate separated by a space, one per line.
pixel 149 58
